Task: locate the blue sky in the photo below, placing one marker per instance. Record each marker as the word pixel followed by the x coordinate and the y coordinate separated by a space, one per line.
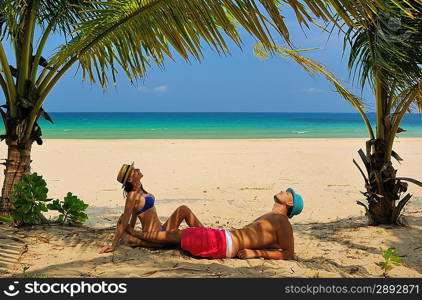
pixel 239 82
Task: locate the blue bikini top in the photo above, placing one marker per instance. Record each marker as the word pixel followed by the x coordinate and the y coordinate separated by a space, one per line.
pixel 149 202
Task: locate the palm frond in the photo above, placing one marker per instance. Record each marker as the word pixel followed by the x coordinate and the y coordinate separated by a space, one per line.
pixel 391 44
pixel 350 12
pixel 404 99
pixel 314 68
pixel 65 13
pixel 9 18
pixel 412 94
pixel 135 34
pixel 419 101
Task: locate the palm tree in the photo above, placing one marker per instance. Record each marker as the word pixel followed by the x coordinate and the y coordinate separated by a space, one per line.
pixel 130 35
pixel 386 52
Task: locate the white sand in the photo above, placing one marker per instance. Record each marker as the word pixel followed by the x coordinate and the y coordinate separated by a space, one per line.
pixel 226 183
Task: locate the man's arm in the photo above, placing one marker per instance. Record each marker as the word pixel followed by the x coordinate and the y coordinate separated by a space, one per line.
pixel 269 254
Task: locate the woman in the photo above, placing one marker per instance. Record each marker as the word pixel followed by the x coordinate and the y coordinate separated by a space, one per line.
pixel 140 204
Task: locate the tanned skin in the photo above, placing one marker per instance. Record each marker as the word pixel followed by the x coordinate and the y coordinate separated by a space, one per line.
pixel 135 201
pixel 270 236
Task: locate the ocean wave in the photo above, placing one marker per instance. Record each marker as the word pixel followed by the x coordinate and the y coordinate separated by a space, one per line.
pixel 301 132
pixel 67 129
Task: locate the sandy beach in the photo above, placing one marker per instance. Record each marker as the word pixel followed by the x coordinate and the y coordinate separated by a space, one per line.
pixel 227 183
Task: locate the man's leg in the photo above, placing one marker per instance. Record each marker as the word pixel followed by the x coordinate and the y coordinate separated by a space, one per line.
pixel 134 241
pixel 182 213
pixel 164 238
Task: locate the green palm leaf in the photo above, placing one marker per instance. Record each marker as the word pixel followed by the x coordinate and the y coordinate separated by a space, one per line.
pixel 403 101
pixel 135 34
pixel 390 45
pixel 62 14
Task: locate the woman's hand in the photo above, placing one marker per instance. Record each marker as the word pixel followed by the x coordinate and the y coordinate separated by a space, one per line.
pixel 106 249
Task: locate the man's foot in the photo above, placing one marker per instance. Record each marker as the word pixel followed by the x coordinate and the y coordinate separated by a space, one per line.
pixel 130 240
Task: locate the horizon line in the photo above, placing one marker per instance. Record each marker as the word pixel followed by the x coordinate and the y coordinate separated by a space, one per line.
pixel 239 112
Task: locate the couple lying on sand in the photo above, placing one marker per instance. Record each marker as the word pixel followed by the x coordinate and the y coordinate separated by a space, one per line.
pixel 270 236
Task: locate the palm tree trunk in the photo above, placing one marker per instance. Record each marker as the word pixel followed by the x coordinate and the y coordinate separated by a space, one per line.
pixel 381 206
pixel 18 162
pixel 382 188
pixel 381 98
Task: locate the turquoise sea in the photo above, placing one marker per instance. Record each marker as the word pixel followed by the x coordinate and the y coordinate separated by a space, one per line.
pixel 213 125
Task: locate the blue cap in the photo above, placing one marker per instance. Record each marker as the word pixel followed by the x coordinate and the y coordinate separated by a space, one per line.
pixel 297 203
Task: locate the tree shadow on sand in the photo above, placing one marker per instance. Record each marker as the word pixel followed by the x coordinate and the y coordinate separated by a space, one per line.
pixel 353 234
pixel 104 216
pixel 328 265
pixel 169 262
pixel 11 248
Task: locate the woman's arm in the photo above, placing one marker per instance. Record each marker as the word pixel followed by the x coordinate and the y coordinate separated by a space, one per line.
pixel 121 223
pixel 124 218
pixel 133 220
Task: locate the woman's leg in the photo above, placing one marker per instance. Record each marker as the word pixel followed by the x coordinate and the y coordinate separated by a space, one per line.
pixel 182 213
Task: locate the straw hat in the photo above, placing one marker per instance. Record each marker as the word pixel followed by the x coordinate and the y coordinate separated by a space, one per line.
pixel 124 172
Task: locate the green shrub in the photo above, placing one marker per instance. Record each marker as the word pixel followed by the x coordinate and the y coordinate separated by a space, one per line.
pixel 390 259
pixel 6 219
pixel 71 210
pixel 29 197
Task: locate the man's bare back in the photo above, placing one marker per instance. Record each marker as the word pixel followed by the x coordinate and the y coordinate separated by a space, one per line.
pixel 270 231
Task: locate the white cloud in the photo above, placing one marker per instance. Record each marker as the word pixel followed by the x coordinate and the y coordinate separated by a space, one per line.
pixel 313 90
pixel 161 89
pixel 157 89
pixel 143 89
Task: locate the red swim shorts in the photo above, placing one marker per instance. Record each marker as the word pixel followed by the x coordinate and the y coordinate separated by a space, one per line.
pixel 204 242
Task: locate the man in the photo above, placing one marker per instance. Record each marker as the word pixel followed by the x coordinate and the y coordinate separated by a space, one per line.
pixel 270 236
